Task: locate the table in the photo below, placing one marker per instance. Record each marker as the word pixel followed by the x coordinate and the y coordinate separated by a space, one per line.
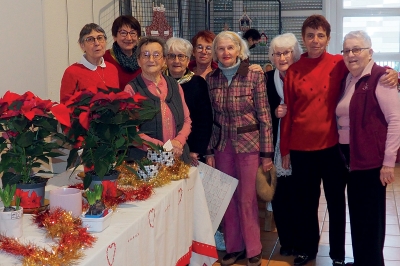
pixel 172 227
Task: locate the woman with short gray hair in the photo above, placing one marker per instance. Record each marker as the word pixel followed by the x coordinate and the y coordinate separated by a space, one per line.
pixel 92 70
pixel 195 89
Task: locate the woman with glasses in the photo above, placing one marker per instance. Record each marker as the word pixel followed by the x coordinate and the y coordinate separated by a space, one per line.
pixel 92 70
pixel 368 116
pixel 126 32
pixel 241 141
pixel 173 121
pixel 284 50
pixel 197 99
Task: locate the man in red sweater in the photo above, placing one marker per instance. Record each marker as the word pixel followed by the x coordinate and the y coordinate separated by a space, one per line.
pixel 309 139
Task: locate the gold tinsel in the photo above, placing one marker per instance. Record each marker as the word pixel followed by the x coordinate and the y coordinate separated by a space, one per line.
pixel 178 171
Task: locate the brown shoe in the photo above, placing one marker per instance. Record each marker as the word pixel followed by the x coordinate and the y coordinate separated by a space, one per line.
pixel 231 258
pixel 255 261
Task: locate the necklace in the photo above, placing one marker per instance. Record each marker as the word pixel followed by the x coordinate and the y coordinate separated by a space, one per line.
pixel 102 71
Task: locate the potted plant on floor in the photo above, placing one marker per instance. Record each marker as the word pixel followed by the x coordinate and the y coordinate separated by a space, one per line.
pixel 10 216
pixel 103 126
pixel 28 125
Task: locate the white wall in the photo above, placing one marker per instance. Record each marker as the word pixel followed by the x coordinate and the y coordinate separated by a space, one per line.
pixel 39 40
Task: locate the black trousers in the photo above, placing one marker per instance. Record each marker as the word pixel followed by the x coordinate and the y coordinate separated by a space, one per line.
pixel 367 208
pixel 310 167
pixel 283 206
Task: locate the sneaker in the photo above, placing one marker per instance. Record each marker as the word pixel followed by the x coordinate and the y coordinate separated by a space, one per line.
pixel 219 241
pixel 255 261
pixel 231 258
pixel 338 263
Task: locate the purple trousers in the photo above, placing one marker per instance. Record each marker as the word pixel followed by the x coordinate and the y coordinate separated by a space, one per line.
pixel 241 225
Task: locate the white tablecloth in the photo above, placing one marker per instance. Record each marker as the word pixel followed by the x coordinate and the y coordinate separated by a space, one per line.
pixel 172 227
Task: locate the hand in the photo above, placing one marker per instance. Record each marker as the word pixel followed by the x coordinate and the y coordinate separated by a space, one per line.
pixel 286 161
pixel 266 164
pixel 195 158
pixel 256 68
pixel 177 148
pixel 390 79
pixel 387 175
pixel 210 160
pixel 281 111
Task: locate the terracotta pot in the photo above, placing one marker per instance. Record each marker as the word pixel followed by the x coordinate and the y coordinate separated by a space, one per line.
pixel 69 199
pixel 32 195
pixel 11 223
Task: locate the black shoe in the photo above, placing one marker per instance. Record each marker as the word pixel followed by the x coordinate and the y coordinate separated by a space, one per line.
pixel 338 263
pixel 255 261
pixel 231 258
pixel 302 259
pixel 284 251
pixel 350 264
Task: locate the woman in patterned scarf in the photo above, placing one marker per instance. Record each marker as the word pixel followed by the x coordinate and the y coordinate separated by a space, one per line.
pixel 126 32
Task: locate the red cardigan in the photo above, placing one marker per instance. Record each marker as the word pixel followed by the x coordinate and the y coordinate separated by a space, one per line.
pixel 312 89
pixel 123 76
pixel 77 77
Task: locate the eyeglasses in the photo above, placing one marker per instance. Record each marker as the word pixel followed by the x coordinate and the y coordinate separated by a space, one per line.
pixel 355 51
pixel 285 54
pixel 200 48
pixel 125 33
pixel 181 57
pixel 91 39
pixel 148 55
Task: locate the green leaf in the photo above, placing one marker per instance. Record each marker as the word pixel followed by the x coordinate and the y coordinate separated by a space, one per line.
pixel 25 139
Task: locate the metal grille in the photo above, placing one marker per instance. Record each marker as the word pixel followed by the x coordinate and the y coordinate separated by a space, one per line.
pixel 301 5
pixel 262 15
pixel 293 25
pixel 186 17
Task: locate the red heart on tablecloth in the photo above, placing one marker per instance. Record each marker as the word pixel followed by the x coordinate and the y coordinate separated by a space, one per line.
pixel 180 192
pixel 111 249
pixel 152 217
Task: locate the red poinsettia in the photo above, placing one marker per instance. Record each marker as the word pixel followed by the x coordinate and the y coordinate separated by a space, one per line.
pixel 30 202
pixel 27 123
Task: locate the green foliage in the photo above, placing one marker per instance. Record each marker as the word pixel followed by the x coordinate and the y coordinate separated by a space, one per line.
pixel 7 194
pixel 95 194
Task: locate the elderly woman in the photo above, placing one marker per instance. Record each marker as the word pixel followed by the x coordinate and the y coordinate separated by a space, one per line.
pixel 369 133
pixel 126 33
pixel 173 121
pixel 195 89
pixel 284 50
pixel 91 70
pixel 241 136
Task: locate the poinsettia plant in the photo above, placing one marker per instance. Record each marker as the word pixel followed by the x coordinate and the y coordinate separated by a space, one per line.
pixel 27 127
pixel 103 127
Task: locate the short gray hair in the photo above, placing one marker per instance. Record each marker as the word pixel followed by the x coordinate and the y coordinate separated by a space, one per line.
pixel 239 42
pixel 180 45
pixel 361 35
pixel 87 29
pixel 286 40
pixel 151 39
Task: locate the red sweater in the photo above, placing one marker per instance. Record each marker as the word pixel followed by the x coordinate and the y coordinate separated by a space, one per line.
pixel 123 76
pixel 312 89
pixel 77 77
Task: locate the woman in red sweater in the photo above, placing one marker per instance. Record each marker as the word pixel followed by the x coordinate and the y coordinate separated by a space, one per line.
pixel 126 33
pixel 91 70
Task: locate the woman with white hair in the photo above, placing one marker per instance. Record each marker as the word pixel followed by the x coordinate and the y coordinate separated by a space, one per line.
pixel 241 138
pixel 368 116
pixel 195 90
pixel 284 50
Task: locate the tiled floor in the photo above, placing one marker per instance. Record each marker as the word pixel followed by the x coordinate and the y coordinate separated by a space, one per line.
pixel 391 251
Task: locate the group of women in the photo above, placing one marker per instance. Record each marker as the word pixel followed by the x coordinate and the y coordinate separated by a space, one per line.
pixel 217 106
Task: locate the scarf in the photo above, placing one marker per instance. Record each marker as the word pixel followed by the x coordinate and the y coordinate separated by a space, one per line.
pixel 128 63
pixel 185 78
pixel 278 84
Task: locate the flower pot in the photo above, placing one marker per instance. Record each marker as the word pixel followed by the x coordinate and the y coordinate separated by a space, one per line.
pixel 11 223
pixel 151 171
pixel 163 157
pixel 97 224
pixel 32 195
pixel 69 199
pixel 109 183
